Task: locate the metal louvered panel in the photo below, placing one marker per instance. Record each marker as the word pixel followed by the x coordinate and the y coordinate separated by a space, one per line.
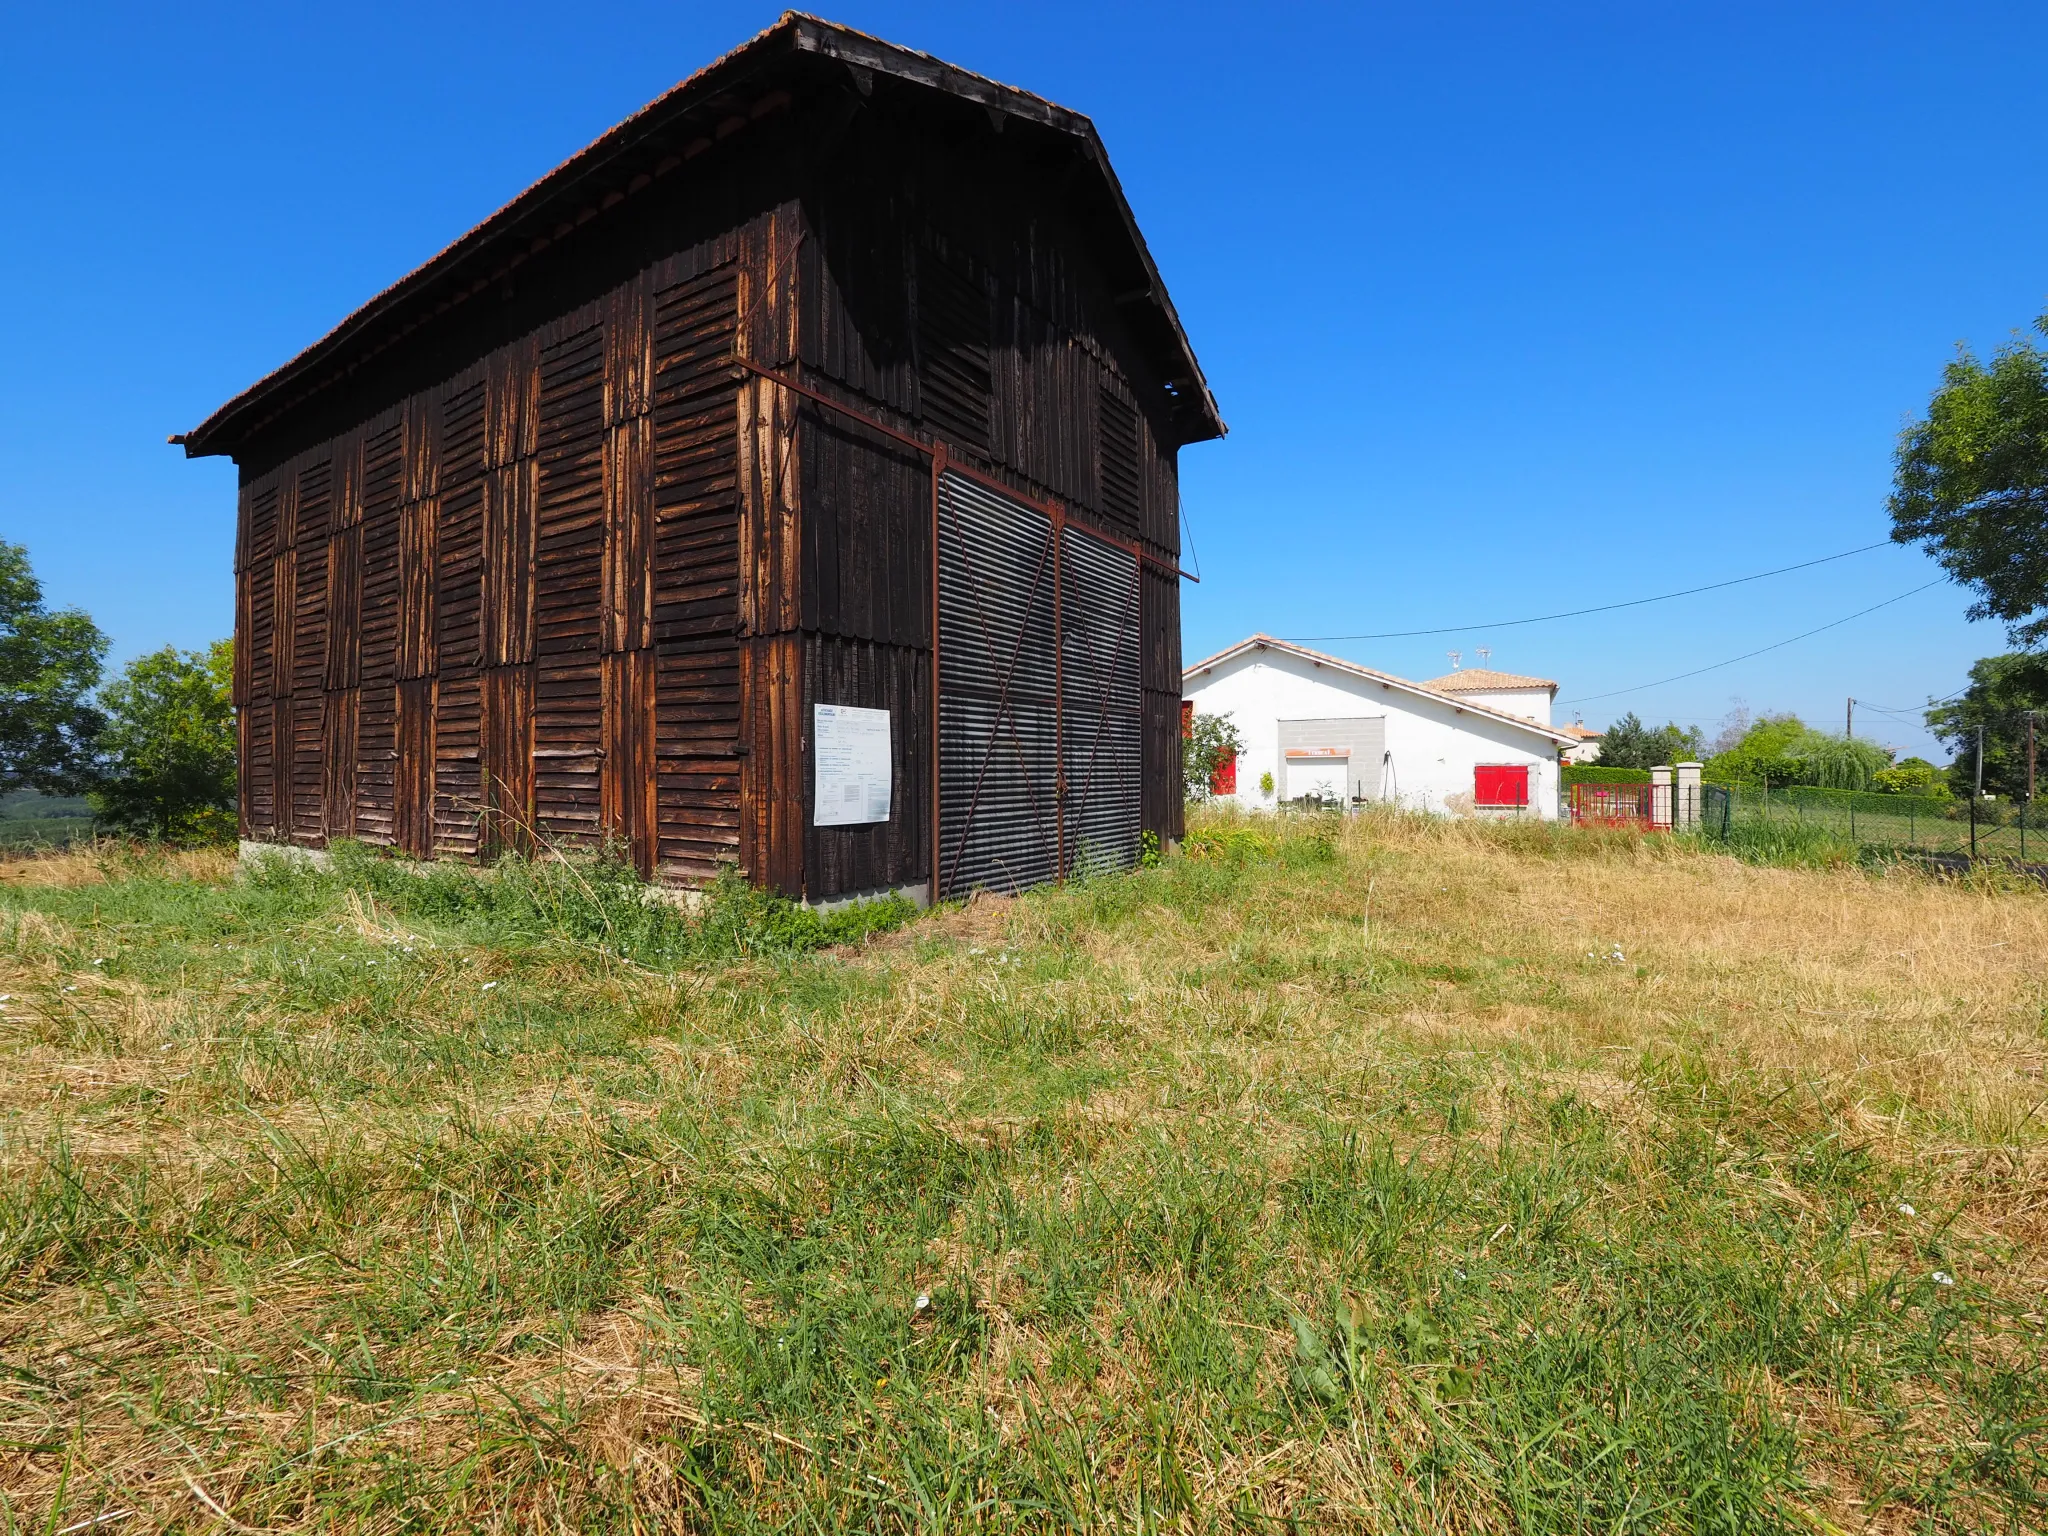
pixel 1101 704
pixel 998 692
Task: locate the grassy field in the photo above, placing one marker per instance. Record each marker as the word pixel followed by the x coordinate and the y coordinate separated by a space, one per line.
pixel 1400 1176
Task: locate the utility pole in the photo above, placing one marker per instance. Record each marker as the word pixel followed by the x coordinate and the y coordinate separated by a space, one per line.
pixel 2030 757
pixel 1850 729
pixel 1980 764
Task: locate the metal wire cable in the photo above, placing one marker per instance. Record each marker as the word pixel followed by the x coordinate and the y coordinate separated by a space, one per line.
pixel 1579 613
pixel 1760 650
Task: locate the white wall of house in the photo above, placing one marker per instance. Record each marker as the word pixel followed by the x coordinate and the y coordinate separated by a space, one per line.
pixel 1433 743
pixel 1529 703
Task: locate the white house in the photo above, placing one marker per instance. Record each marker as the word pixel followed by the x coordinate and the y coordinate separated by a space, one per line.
pixel 1315 725
pixel 1586 748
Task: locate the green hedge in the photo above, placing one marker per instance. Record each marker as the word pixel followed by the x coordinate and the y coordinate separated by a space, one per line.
pixel 1593 773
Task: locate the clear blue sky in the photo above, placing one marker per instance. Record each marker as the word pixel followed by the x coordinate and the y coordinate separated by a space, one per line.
pixel 1510 308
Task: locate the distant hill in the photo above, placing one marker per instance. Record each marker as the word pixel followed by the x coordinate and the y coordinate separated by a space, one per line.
pixel 33 805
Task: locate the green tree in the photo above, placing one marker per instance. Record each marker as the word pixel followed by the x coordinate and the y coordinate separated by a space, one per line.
pixel 1783 749
pixel 168 765
pixel 1763 755
pixel 49 665
pixel 2002 689
pixel 1628 743
pixel 1838 762
pixel 1209 742
pixel 1971 483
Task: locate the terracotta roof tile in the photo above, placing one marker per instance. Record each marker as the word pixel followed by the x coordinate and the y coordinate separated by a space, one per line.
pixel 1484 680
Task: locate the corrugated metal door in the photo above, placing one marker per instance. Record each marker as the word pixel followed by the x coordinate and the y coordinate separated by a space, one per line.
pixel 1101 730
pixel 1040 708
pixel 998 692
pixel 1362 737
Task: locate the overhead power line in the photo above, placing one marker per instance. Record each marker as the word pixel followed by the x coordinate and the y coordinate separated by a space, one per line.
pixel 1777 645
pixel 1579 613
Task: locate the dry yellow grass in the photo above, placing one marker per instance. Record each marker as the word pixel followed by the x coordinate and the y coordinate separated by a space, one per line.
pixel 490 1236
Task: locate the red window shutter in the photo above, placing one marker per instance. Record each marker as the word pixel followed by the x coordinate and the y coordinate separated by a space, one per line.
pixel 1224 780
pixel 1501 784
pixel 1187 718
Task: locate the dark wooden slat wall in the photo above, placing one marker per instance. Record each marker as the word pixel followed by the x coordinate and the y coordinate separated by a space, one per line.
pixel 509 605
pixel 774 803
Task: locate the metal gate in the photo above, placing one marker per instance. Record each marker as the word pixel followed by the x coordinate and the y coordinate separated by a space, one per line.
pixel 1039 708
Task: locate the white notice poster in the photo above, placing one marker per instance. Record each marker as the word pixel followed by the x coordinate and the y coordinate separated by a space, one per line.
pixel 852 750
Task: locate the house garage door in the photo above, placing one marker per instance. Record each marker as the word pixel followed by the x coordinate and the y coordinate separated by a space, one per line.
pixel 1039 705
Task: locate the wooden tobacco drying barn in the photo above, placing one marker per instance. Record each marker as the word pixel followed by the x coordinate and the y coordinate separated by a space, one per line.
pixel 788 480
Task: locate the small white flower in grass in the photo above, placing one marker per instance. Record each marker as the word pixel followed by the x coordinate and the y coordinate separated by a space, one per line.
pixel 488 985
pixel 1906 1209
pixel 1943 1277
pixel 99 962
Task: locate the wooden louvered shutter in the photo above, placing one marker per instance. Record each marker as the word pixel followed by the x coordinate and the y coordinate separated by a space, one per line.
pixel 419 532
pixel 568 708
pixel 953 329
pixel 383 482
pixel 625 614
pixel 696 575
pixel 256 647
pixel 309 657
pixel 458 626
pixel 344 650
pixel 510 495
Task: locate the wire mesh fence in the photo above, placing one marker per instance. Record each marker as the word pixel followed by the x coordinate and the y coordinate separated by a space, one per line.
pixel 1984 828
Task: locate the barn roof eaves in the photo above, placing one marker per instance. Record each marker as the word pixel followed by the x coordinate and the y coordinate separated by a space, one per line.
pixel 795 32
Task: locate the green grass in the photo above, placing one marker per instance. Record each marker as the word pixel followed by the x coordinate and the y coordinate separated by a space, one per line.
pixel 1311 1180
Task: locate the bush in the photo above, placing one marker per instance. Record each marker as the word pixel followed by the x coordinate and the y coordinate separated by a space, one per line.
pixel 1864 802
pixel 1913 776
pixel 1595 773
pixel 1783 843
pixel 1209 743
